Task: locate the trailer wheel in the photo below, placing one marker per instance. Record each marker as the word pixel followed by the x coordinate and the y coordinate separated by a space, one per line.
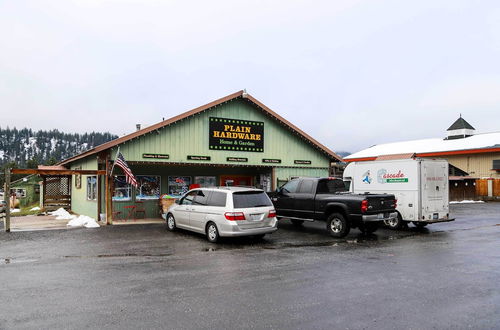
pixel 368 227
pixel 396 223
pixel 337 225
pixel 419 224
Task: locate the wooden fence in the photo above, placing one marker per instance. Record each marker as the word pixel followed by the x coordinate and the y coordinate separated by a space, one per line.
pixel 482 187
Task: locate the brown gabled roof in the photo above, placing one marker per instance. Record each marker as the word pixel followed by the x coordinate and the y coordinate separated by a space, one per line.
pixel 195 111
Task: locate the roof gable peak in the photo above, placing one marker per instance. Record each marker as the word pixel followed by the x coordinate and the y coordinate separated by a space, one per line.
pixel 460 123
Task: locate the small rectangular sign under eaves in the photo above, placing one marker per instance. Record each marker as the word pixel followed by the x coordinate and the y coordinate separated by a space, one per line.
pixel 155 156
pixel 190 157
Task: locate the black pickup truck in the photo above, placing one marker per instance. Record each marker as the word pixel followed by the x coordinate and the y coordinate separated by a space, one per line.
pixel 327 199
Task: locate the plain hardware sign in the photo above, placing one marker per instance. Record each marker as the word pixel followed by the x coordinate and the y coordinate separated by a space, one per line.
pixel 236 135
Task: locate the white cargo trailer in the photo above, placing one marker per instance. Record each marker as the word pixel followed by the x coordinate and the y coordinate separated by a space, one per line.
pixel 420 185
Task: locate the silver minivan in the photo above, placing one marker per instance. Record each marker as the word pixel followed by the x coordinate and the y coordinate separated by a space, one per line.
pixel 223 212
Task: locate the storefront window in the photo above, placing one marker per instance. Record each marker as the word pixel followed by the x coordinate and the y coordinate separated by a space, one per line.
pixel 92 188
pixel 178 185
pixel 149 187
pixel 205 181
pixel 122 190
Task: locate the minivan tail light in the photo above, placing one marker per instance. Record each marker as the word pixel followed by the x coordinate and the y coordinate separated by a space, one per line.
pixel 272 214
pixel 234 216
pixel 364 205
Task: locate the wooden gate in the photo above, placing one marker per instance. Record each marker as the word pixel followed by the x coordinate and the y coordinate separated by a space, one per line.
pixel 56 192
pixel 462 190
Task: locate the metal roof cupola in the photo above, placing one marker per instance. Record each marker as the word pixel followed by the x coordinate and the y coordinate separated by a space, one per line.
pixel 460 129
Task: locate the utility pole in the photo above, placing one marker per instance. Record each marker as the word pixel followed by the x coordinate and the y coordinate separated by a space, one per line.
pixel 6 196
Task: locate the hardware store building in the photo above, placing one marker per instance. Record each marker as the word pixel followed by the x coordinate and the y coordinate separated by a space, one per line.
pixel 235 140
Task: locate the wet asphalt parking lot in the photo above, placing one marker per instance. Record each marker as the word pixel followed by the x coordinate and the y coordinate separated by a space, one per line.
pixel 446 276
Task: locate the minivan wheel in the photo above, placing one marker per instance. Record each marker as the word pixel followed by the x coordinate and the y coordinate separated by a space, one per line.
pixel 212 233
pixel 395 223
pixel 337 225
pixel 171 222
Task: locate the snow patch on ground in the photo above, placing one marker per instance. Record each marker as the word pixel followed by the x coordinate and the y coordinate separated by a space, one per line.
pixel 466 202
pixel 83 221
pixel 75 221
pixel 36 208
pixel 62 214
pixel 15 210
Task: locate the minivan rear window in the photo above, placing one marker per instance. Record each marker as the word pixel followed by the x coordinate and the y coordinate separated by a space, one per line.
pixel 250 199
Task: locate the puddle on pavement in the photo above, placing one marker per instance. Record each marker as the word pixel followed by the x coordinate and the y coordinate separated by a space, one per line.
pixel 6 261
pixel 122 255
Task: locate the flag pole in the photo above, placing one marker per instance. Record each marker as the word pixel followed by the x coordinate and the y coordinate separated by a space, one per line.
pixel 112 167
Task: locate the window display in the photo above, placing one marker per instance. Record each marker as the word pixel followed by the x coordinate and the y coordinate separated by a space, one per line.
pixel 205 181
pixel 122 190
pixel 149 187
pixel 178 185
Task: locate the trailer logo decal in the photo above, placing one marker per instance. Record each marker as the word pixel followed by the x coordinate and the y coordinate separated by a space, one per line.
pixel 367 178
pixel 385 177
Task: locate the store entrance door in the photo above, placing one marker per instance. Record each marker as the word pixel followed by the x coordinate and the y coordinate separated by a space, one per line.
pixel 236 180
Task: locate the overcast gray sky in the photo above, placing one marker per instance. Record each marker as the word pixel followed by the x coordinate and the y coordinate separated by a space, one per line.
pixel 350 73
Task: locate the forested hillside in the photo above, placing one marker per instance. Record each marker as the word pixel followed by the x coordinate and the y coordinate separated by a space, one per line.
pixel 28 148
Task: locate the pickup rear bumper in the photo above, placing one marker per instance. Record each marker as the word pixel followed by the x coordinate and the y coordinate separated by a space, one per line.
pixel 379 217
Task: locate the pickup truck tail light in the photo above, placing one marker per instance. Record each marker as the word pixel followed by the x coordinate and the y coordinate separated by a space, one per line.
pixel 272 214
pixel 364 206
pixel 234 216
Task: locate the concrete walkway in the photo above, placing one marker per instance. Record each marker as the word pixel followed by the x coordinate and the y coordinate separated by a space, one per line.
pixel 49 222
pixel 35 222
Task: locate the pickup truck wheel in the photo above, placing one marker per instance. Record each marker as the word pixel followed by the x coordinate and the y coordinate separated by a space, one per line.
pixel 297 223
pixel 368 227
pixel 337 225
pixel 395 223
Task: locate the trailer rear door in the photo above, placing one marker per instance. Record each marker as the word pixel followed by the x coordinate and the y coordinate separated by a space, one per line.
pixel 434 182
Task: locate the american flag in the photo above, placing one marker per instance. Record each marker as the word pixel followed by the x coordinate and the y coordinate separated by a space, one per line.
pixel 129 176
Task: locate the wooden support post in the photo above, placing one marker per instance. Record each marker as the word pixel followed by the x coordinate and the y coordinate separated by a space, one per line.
pixel 6 196
pixel 108 193
pixel 273 179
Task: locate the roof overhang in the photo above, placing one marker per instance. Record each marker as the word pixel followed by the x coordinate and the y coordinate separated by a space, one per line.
pixel 241 94
pixel 431 154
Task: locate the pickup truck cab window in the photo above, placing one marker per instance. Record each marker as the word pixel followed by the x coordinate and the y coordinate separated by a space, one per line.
pixel 306 187
pixel 290 186
pixel 330 186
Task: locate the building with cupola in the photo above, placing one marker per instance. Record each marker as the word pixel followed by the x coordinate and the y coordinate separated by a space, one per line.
pixel 474 158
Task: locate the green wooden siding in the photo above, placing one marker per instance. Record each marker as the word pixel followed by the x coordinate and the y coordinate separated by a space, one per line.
pixel 284 174
pixel 79 202
pixel 191 137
